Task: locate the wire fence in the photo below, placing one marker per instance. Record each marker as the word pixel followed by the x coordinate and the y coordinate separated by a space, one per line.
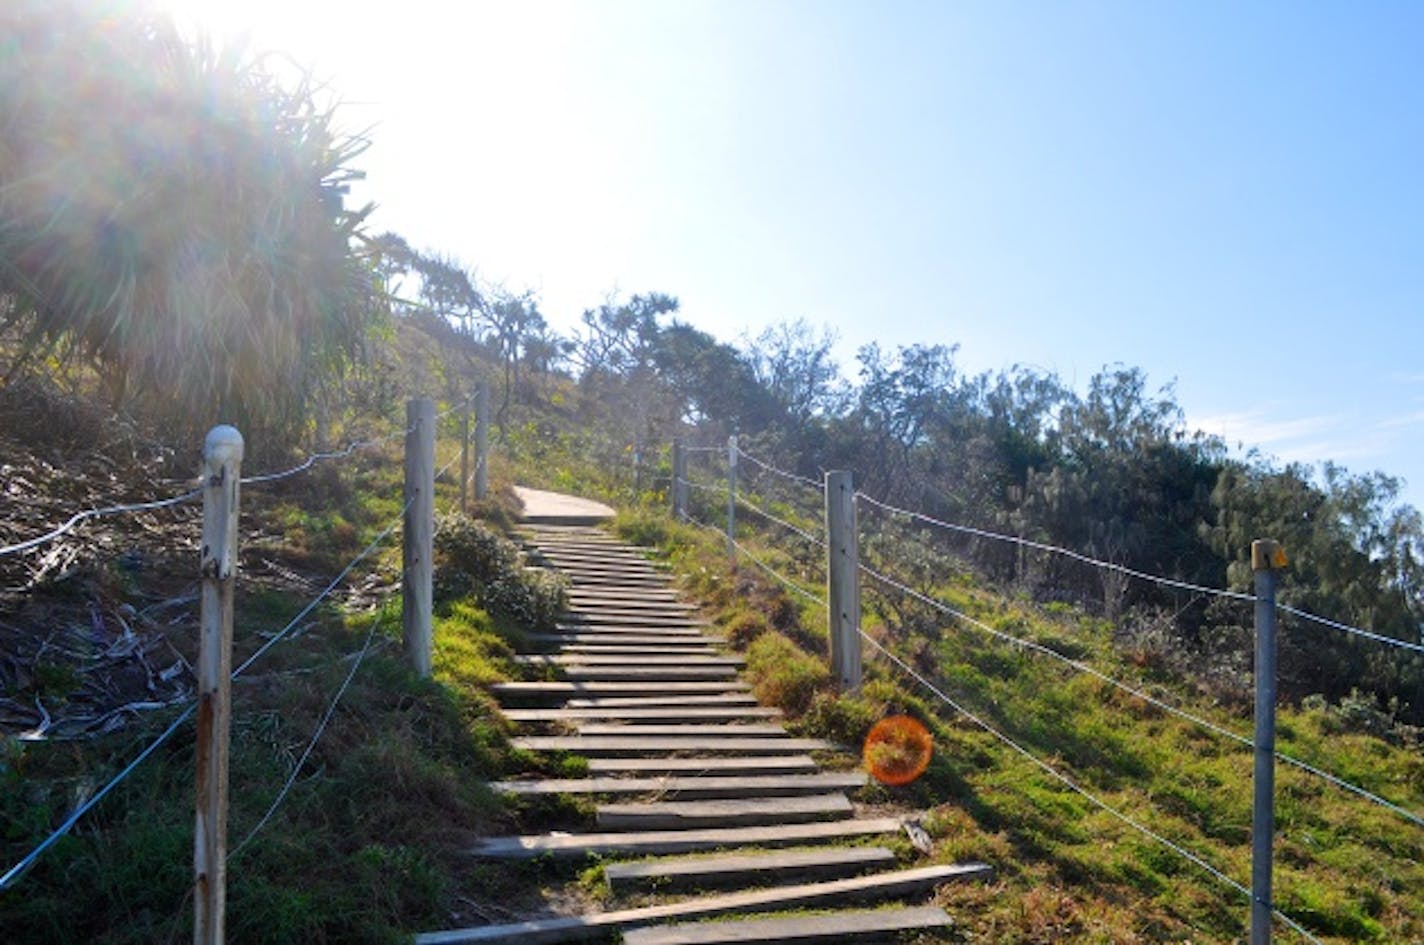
pixel 21 867
pixel 1157 579
pixel 1136 691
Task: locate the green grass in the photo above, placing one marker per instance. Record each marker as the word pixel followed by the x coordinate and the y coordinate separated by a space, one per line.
pixel 1346 869
pixel 368 845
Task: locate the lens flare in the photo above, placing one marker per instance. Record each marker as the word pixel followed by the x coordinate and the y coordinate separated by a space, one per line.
pixel 897 750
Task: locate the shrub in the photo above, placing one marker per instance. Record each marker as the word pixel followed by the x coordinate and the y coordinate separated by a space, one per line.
pixel 472 561
pixel 784 675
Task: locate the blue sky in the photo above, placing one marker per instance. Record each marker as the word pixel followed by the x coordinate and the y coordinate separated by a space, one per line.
pixel 1228 195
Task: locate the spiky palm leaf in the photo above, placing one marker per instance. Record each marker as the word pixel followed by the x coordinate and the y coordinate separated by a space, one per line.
pixel 174 212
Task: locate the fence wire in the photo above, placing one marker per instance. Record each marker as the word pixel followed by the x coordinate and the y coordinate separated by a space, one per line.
pixel 1081 791
pixel 1138 693
pixel 1015 746
pixel 1131 572
pixel 790 476
pixel 80 517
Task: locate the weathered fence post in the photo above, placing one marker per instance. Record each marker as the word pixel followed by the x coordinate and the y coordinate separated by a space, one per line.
pixel 1267 558
pixel 482 419
pixel 417 550
pixel 732 495
pixel 221 475
pixel 843 578
pixel 465 457
pixel 679 480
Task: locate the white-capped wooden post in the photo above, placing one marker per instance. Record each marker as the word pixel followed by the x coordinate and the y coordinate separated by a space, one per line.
pixel 417 550
pixel 465 457
pixel 843 579
pixel 1267 558
pixel 732 496
pixel 482 424
pixel 221 475
pixel 679 480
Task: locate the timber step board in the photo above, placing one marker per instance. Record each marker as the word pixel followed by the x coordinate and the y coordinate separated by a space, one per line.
pixel 691 788
pixel 848 926
pixel 671 713
pixel 714 729
pixel 765 765
pixel 680 628
pixel 680 641
pixel 612 601
pixel 652 702
pixel 682 649
pixel 643 598
pixel 652 593
pixel 667 744
pixel 597 673
pixel 657 842
pixel 736 812
pixel 627 617
pixel 580 671
pixel 558 691
pixel 566 658
pixel 746 870
pixel 588 582
pixel 878 886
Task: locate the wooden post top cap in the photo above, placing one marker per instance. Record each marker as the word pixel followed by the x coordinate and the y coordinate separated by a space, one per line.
pixel 1267 555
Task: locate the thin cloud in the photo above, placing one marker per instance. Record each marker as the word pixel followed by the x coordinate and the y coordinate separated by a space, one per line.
pixel 1256 428
pixel 1415 418
pixel 1309 439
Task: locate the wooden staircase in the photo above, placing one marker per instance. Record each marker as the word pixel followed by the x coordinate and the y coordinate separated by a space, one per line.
pixel 684 761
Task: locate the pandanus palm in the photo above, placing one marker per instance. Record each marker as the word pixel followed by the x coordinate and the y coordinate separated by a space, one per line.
pixel 174 213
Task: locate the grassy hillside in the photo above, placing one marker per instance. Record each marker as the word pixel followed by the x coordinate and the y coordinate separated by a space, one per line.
pixel 364 837
pixel 1068 869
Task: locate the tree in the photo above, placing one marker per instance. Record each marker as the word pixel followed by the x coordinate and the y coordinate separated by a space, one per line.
pixel 794 365
pixel 181 222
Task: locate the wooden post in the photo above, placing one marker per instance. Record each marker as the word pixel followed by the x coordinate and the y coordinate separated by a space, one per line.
pixel 221 475
pixel 679 480
pixel 1266 560
pixel 465 457
pixel 417 551
pixel 482 419
pixel 732 496
pixel 843 579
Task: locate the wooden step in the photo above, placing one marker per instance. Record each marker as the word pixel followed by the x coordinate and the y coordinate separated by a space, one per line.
pixel 692 788
pixel 877 886
pixel 730 812
pixel 619 584
pixel 560 690
pixel 687 641
pixel 668 744
pixel 596 673
pixel 636 601
pixel 678 628
pixel 763 765
pixel 626 650
pixel 745 870
pixel 671 713
pixel 638 593
pixel 567 658
pixel 627 617
pixel 677 841
pixel 674 700
pixel 708 729
pixel 845 926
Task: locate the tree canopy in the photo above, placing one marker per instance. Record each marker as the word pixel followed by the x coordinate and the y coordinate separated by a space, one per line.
pixel 175 213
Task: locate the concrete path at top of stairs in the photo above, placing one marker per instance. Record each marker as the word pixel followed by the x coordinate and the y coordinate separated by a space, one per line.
pixel 555 508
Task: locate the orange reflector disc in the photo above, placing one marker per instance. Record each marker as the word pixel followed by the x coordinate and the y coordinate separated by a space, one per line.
pixel 897 750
